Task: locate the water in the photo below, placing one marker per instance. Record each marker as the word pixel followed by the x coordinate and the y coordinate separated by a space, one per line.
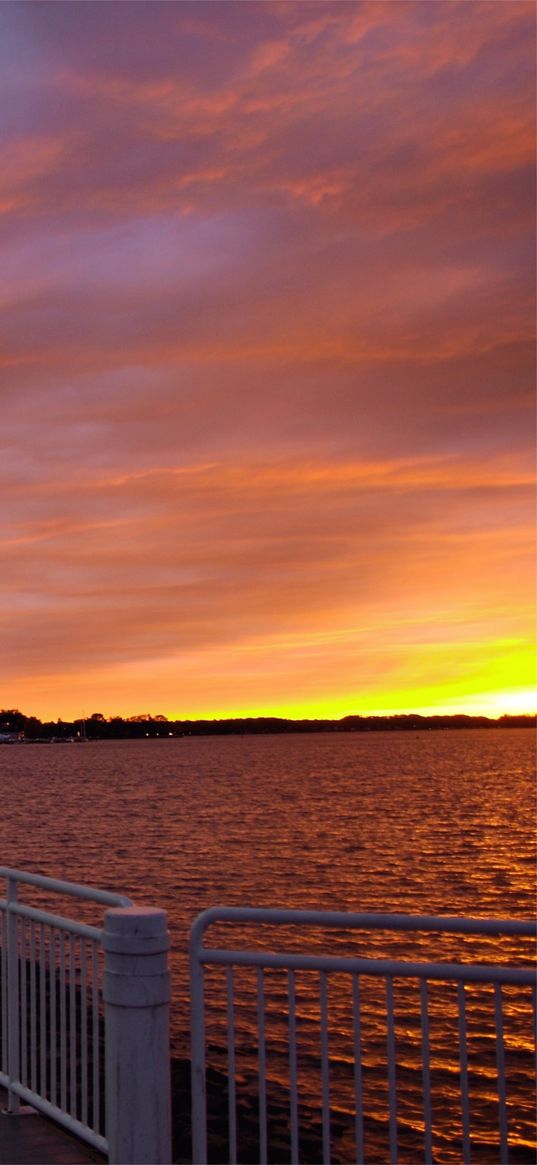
pixel 427 822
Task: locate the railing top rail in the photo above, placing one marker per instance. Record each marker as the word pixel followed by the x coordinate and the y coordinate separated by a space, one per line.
pixel 526 928
pixel 397 968
pixel 89 893
pixel 57 921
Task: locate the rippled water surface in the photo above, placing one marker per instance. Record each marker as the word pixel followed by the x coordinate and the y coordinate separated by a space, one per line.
pixel 427 822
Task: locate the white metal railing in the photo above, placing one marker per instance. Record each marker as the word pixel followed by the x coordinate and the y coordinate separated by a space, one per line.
pixel 450 1035
pixel 84 1018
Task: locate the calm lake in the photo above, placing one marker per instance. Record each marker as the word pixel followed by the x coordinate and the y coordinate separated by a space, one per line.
pixel 417 822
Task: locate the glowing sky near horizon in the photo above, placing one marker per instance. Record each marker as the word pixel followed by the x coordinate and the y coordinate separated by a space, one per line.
pixel 267 358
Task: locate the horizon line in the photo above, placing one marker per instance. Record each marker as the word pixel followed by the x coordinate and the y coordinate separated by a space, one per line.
pixel 149 716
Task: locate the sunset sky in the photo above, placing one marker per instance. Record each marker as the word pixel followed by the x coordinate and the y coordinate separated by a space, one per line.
pixel 267 431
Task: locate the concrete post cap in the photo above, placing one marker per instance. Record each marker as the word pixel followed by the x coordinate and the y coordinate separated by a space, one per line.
pixel 131 920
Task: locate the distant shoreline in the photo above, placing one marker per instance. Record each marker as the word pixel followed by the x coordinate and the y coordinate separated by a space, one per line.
pixel 16 728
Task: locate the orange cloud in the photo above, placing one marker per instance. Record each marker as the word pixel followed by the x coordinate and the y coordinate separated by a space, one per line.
pixel 285 549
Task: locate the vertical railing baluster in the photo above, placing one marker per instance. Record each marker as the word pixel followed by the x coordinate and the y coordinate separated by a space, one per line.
pixel 325 1063
pixel 33 1009
pixel 72 1025
pixel 84 1031
pixel 358 1087
pixel 426 1072
pixel 534 1002
pixel 263 1149
pixel 293 1089
pixel 52 1018
pixel 3 987
pixel 63 1024
pixel 199 1087
pixel 23 1004
pixel 465 1104
pixel 500 1065
pixel 95 1043
pixel 232 1102
pixel 13 1018
pixel 392 1087
pixel 42 1010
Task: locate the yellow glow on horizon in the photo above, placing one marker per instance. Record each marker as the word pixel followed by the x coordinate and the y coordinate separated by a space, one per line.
pixel 338 672
pixel 426 666
pixel 492 705
pixel 491 678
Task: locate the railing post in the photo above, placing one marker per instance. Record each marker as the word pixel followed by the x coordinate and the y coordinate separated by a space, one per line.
pixel 136 995
pixel 13 1017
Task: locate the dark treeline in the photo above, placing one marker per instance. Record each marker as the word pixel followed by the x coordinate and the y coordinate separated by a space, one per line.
pixel 15 725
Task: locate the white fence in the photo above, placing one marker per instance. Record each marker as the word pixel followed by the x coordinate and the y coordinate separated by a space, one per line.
pixel 84 1019
pixel 473 996
pixel 85 1040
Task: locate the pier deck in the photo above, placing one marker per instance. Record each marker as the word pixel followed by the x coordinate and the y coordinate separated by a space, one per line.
pixel 29 1139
